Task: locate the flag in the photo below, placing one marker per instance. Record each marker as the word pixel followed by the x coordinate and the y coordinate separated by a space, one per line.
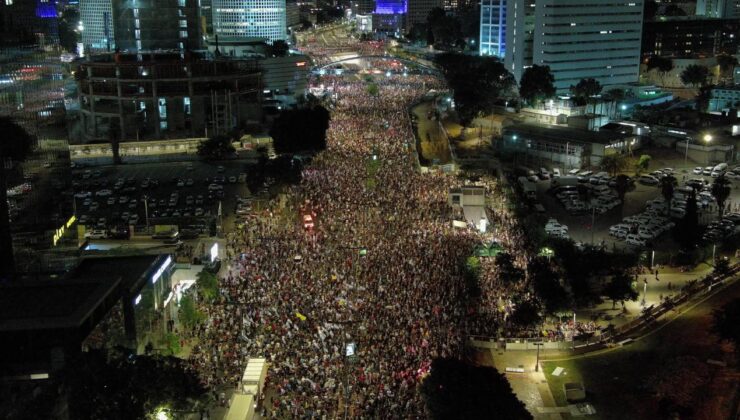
pixel 300 316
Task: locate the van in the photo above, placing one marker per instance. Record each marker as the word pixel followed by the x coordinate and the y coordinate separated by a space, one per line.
pixel 556 172
pixel 722 167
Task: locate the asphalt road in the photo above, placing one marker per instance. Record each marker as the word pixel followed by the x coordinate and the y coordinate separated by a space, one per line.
pixel 616 379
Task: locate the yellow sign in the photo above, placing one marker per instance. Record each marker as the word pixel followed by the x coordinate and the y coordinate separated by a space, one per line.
pixel 59 233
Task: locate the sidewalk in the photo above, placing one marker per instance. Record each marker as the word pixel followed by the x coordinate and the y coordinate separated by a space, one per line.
pixel 603 314
pixel 531 387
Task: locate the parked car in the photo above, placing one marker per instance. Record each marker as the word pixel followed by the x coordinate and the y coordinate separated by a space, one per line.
pixel 96 234
pixel 698 170
pixel 648 180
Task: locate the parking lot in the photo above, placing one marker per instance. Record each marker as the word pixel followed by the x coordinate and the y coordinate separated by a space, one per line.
pixel 181 193
pixel 637 211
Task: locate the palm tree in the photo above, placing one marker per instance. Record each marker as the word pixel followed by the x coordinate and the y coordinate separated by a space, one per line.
pixel 616 96
pixel 587 89
pixel 16 146
pixel 720 191
pixel 667 188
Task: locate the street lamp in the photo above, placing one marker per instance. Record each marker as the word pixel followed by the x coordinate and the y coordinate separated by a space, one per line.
pixel 537 364
pixel 707 138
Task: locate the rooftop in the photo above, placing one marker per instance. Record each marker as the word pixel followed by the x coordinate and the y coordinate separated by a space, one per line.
pixel 565 134
pixel 51 304
pixel 68 302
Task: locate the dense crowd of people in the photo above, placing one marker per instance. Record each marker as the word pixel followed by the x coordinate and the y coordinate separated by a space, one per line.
pixel 380 271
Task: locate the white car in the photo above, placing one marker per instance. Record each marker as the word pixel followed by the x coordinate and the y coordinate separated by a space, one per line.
pixel 104 193
pixel 83 194
pixel 635 240
pixel 698 170
pixel 96 234
pixel 648 180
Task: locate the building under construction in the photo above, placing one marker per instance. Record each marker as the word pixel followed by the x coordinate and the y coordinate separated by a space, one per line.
pixel 166 95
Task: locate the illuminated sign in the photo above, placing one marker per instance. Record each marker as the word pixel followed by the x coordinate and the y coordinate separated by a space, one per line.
pixel 214 252
pixel 137 300
pixel 300 64
pixel 59 233
pixel 161 269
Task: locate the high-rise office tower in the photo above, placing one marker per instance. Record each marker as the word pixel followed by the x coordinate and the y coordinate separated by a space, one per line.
pixel 718 8
pixel 249 18
pixel 577 39
pixel 148 25
pixel 97 25
pixel 519 36
pixel 418 10
pixel 492 27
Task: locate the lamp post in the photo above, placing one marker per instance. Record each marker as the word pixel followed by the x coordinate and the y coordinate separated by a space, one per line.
pixel 537 364
pixel 707 138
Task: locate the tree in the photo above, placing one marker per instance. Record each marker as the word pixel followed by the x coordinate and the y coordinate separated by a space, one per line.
pixel 726 64
pixel 615 96
pixel 703 96
pixel 372 89
pixel 587 90
pixel 527 314
pixel 726 321
pixel 721 266
pixel 15 147
pixel 217 147
pixel 279 48
pixel 695 75
pixel 472 276
pixel 477 82
pixel 297 130
pixel 643 163
pixel 720 191
pixel 119 385
pixel 667 187
pixel 687 229
pixel 622 185
pixel 458 390
pixel 620 288
pixel 445 29
pixel 207 284
pixel 190 315
pixel 507 271
pixel 68 35
pixel 537 84
pixel 662 64
pixel 613 163
pixel 546 284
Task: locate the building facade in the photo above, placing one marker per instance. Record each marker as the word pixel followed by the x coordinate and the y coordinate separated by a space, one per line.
pixel 149 25
pixel 577 39
pixel 690 37
pixel 493 28
pixel 519 50
pixel 250 18
pixel 157 96
pixel 98 33
pixel 418 11
pixel 389 15
pixel 718 8
pixel 569 147
pixel 724 98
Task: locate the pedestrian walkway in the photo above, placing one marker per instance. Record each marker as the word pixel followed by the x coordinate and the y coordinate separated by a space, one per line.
pixel 530 386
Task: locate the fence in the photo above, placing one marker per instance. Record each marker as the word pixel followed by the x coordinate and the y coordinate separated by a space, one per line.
pixel 613 334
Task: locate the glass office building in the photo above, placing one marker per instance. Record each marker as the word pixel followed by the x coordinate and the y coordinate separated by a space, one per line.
pixel 250 18
pixel 493 27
